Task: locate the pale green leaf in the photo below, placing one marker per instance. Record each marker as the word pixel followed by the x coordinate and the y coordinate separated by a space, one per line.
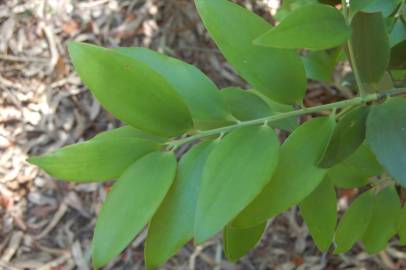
pixel 296 175
pixel 237 170
pixel 173 224
pixel 131 90
pixel 279 74
pixel 303 29
pixel 129 206
pixel 319 66
pixel 237 242
pixel 319 211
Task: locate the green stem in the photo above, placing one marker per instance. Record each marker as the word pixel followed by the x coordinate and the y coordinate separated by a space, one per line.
pixel 351 54
pixel 276 117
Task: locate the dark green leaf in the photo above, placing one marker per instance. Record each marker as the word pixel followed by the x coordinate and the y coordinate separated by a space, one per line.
pixel 237 242
pixel 296 175
pixel 348 135
pixel 398 56
pixel 371 6
pixel 131 203
pixel 200 94
pixel 302 29
pixel 402 226
pixel 319 211
pixel 384 221
pixel 319 66
pixel 95 160
pixel 354 223
pixel 386 134
pixel 173 224
pixel 356 170
pixel 237 170
pixel 370 46
pixel 279 74
pixel 127 132
pixel 131 90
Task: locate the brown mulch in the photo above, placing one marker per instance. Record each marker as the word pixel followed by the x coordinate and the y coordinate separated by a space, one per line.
pixel 48 224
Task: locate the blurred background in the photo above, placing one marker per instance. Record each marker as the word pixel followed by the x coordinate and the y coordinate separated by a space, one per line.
pixel 47 224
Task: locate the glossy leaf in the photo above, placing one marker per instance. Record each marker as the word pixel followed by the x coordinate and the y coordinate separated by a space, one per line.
pixel 173 224
pixel 356 170
pixel 127 132
pixel 279 74
pixel 296 175
pixel 200 94
pixel 237 170
pixel 371 60
pixel 94 160
pixel 384 221
pixel 302 29
pixel 130 90
pixel 131 203
pixel 386 134
pixel 237 242
pixel 402 226
pixel 319 66
pixel 354 223
pixel 348 135
pixel 319 211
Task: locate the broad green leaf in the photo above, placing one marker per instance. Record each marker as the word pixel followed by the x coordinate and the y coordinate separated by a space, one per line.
pixel 370 46
pixel 384 221
pixel 398 33
pixel 290 5
pixel 237 170
pixel 237 242
pixel 249 104
pixel 398 56
pixel 94 160
pixel 302 29
pixel 402 226
pixel 127 132
pixel 371 6
pixel 131 90
pixel 385 84
pixel 348 135
pixel 279 74
pixel 386 134
pixel 356 170
pixel 173 224
pixel 131 203
pixel 319 66
pixel 296 175
pixel 319 211
pixel 200 94
pixel 354 223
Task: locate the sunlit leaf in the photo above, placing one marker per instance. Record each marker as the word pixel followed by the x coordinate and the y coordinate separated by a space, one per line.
pixel 127 132
pixel 131 203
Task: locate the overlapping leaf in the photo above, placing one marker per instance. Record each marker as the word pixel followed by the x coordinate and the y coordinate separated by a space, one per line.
pixel 296 175
pixel 237 170
pixel 131 203
pixel 131 90
pixel 279 74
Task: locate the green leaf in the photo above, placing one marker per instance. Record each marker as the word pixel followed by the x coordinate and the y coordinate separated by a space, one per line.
pixel 173 224
pixel 319 211
pixel 348 135
pixel 279 74
pixel 302 29
pixel 356 170
pixel 296 175
pixel 290 5
pixel 386 134
pixel 319 66
pixel 370 46
pixel 127 132
pixel 398 33
pixel 130 90
pixel 131 203
pixel 402 226
pixel 398 56
pixel 94 160
pixel 384 221
pixel 200 94
pixel 372 6
pixel 237 242
pixel 237 170
pixel 354 223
